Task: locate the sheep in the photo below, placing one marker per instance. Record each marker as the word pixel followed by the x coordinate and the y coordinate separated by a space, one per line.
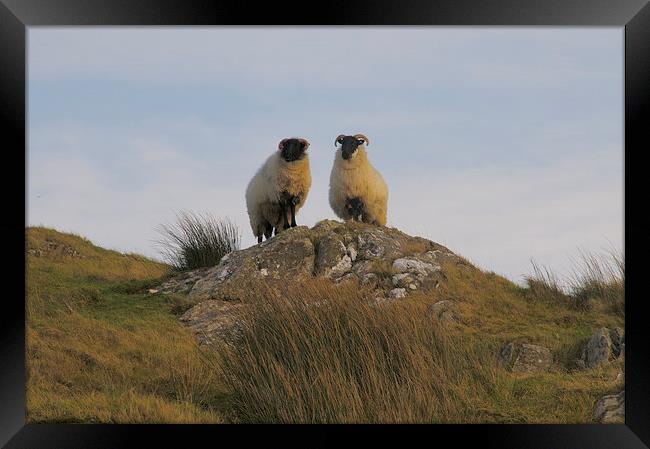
pixel 279 189
pixel 357 190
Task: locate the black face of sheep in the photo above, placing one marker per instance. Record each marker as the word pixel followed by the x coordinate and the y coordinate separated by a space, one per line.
pixel 349 144
pixel 293 149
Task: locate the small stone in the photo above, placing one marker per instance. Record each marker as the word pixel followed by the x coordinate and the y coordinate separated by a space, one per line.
pixel 264 272
pixel 369 278
pixel 434 310
pixel 617 336
pixel 610 409
pixel 346 277
pixel 401 279
pixel 397 293
pixel 413 286
pixel 447 317
pixel 598 349
pixel 152 291
pixel 412 265
pixel 352 253
pixel 525 358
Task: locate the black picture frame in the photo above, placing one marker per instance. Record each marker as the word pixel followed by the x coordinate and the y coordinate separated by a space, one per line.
pixel 17 15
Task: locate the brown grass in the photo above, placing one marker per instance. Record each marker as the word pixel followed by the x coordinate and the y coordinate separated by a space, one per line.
pixel 99 349
pixel 323 354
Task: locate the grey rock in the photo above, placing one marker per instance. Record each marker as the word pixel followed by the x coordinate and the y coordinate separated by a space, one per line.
pixel 617 336
pixel 525 358
pixel 370 246
pixel 397 293
pixel 369 279
pixel 604 346
pixel 183 282
pixel 330 249
pixel 436 309
pixel 610 409
pixel 402 279
pixel 332 259
pixel 352 253
pixel 289 255
pixel 415 266
pixel 214 321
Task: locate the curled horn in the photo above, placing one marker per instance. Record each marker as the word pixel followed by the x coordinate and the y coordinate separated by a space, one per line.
pixel 337 139
pixel 361 136
pixel 305 143
pixel 281 144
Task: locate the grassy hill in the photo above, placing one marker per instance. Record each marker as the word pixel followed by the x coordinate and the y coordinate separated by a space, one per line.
pixel 101 349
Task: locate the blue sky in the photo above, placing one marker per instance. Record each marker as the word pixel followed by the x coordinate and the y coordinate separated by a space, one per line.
pixel 504 144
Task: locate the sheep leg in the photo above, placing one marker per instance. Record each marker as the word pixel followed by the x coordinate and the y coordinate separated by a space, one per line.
pixel 259 239
pixel 283 211
pixel 292 205
pixel 355 208
pixel 268 231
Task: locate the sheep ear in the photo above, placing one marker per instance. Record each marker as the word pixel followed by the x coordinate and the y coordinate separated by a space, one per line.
pixel 281 144
pixel 305 143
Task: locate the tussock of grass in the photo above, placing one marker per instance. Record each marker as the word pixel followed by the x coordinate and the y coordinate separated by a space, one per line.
pixel 595 279
pixel 197 240
pixel 600 277
pixel 321 354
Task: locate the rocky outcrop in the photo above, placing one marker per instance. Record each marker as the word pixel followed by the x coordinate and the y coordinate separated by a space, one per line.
pixel 391 263
pixel 610 409
pixel 604 346
pixel 331 250
pixel 525 358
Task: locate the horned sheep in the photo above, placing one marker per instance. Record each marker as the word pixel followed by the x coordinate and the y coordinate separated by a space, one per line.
pixel 357 190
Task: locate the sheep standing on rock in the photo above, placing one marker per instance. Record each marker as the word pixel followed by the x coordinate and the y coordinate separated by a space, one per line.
pixel 279 189
pixel 357 191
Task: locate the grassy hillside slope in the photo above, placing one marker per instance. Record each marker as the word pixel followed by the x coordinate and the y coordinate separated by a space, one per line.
pixel 99 349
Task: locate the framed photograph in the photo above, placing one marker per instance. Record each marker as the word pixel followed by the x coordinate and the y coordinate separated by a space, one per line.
pixel 383 220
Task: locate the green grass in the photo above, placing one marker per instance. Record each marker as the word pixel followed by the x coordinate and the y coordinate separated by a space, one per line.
pixel 99 349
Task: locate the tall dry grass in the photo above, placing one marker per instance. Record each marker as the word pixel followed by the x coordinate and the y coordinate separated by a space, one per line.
pixel 323 354
pixel 600 277
pixel 595 277
pixel 197 240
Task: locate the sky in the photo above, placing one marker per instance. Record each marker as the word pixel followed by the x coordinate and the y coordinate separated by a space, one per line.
pixel 503 144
